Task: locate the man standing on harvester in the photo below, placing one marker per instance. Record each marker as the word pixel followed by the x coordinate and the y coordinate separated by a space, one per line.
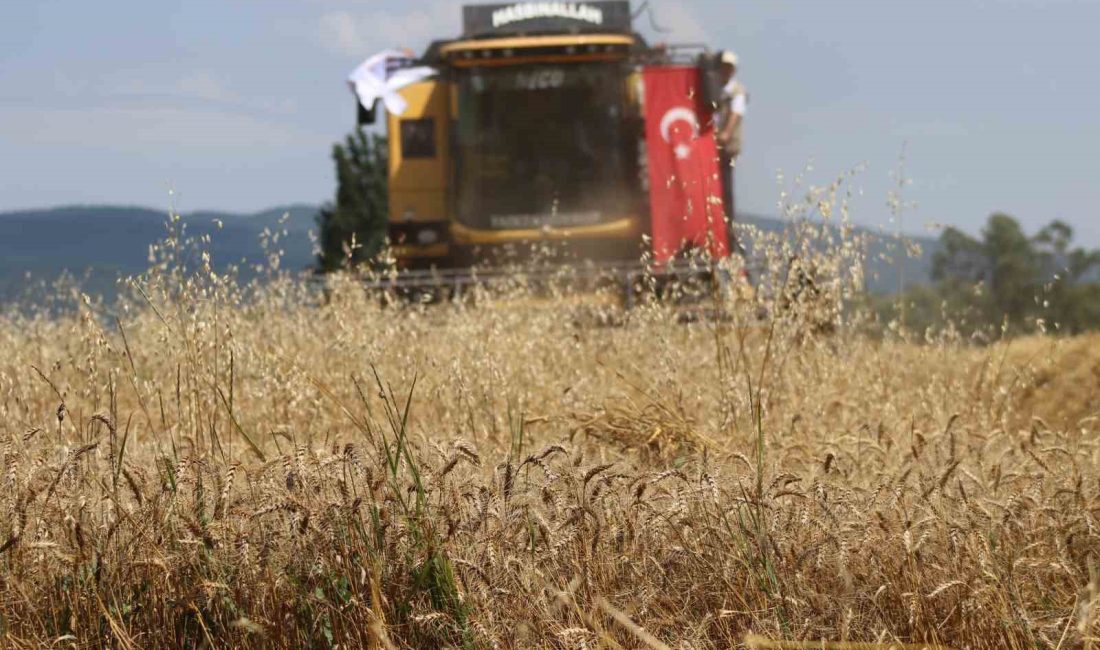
pixel 731 112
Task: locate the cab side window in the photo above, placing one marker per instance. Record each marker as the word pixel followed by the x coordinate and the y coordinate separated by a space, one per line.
pixel 418 138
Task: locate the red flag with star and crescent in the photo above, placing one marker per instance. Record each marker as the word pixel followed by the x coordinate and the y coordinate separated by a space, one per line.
pixel 685 191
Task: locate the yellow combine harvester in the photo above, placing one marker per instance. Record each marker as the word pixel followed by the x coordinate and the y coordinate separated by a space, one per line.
pixel 534 133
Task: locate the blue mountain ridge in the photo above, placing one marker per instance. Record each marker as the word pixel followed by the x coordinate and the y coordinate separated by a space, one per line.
pixel 99 244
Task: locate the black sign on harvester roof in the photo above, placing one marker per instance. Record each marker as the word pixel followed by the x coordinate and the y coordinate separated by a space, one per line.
pixel 547 16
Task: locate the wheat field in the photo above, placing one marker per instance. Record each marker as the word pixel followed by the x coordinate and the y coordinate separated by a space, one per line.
pixel 218 465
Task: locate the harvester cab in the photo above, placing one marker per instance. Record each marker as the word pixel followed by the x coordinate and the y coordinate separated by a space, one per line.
pixel 551 126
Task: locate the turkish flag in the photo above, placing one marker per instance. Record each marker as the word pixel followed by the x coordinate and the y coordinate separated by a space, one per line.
pixel 685 191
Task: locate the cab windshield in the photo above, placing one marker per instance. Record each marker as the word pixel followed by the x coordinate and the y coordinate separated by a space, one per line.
pixel 543 145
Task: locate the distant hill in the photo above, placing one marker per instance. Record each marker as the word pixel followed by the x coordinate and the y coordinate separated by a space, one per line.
pixel 102 243
pixel 99 244
pixel 881 265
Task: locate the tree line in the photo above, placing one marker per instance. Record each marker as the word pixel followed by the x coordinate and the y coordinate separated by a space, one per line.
pixel 1005 279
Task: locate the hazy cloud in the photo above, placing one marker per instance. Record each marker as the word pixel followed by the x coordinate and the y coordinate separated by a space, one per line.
pixel 204 85
pixel 200 84
pixel 360 33
pixel 684 24
pixel 145 129
pixel 199 88
pixel 341 31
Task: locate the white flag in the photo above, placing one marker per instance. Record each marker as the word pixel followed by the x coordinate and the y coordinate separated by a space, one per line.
pixel 382 75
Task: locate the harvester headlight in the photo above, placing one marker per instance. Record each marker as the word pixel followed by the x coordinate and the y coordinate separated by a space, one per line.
pixel 427 237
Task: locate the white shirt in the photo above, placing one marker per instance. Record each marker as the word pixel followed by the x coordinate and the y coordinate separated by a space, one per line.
pixel 734 92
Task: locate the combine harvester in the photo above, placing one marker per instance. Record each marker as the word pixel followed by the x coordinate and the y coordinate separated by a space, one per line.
pixel 551 136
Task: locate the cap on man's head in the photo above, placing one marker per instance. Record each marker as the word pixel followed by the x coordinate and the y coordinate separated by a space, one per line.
pixel 730 58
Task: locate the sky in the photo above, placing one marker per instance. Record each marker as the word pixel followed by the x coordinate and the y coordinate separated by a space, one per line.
pixel 235 104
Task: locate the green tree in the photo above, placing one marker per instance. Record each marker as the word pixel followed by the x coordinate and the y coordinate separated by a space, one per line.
pixel 962 272
pixel 1073 302
pixel 1008 275
pixel 1002 262
pixel 353 229
pixel 1054 246
pixel 1014 279
pixel 960 259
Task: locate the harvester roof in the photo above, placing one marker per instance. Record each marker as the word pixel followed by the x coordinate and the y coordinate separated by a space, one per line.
pixel 546 17
pixel 497 32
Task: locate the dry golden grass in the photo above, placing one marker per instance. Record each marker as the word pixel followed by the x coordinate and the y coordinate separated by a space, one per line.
pixel 271 470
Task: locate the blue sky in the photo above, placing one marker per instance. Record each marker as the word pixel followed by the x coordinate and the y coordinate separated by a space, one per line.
pixel 234 104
